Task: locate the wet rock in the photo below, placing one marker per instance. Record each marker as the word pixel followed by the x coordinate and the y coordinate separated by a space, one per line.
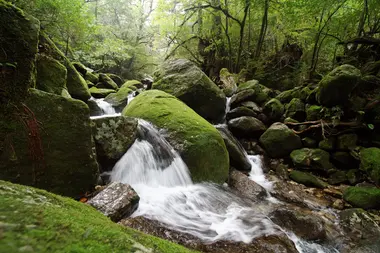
pixel 239 112
pixel 315 159
pixel 242 96
pixel 265 244
pixel 92 77
pixel 246 186
pixel 278 140
pixel 187 82
pixel 100 93
pixel 107 82
pixel 95 110
pixel 80 68
pixel 252 105
pixel 307 226
pixel 113 137
pixel 296 110
pixel 307 179
pixel 116 201
pixel 119 100
pixel 131 84
pixel 314 112
pixel 246 127
pixel 327 144
pixel 252 147
pixel 337 177
pixel 335 87
pixel 308 142
pixel 238 158
pixel 344 160
pixel 363 197
pixel 338 204
pixel 287 96
pixel 370 163
pixel 355 176
pixel 261 95
pixel 274 110
pixel 346 141
pixel 229 82
pixel 117 79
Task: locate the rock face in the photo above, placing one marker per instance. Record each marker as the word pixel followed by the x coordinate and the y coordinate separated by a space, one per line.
pixel 363 197
pixel 279 140
pixel 238 158
pixel 113 137
pixel 83 227
pixel 370 163
pixel 316 159
pixel 51 146
pixel 107 82
pixel 335 88
pixel 198 142
pixel 246 186
pixel 246 127
pixel 116 201
pixel 187 82
pixel 18 43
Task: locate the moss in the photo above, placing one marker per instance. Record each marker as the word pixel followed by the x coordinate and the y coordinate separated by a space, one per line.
pixel 187 82
pixel 100 93
pixel 308 142
pixel 93 78
pixel 327 144
pixel 363 197
pixel 75 83
pixel 370 163
pixel 119 99
pixel 51 76
pixel 117 79
pixel 80 68
pixel 307 179
pixel 43 222
pixel 248 85
pixel 18 46
pixel 335 87
pixel 288 95
pixel 199 143
pixel 107 82
pixel 346 141
pixel 274 109
pixel 295 109
pixel 56 153
pixel 314 112
pixel 133 84
pixel 316 159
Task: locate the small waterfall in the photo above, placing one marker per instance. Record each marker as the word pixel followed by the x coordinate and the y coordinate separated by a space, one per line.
pixel 106 107
pixel 257 173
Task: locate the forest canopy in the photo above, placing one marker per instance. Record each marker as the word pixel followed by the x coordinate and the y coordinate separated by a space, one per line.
pixel 296 39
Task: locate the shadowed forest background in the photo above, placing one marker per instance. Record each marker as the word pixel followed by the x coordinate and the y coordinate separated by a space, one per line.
pixel 269 40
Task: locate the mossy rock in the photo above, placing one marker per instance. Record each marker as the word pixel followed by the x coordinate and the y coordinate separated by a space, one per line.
pixel 248 85
pixel 336 87
pixel 315 159
pixel 200 144
pixel 370 163
pixel 288 95
pixel 228 81
pixel 92 77
pixel 240 112
pixel 346 141
pixel 75 83
pixel 307 179
pixel 338 177
pixel 34 220
pixel 355 176
pixel 188 83
pixel 274 110
pixel 18 49
pixel 278 140
pixel 308 142
pixel 133 85
pixel 344 160
pixel 296 110
pixel 51 76
pixel 261 93
pixel 107 82
pixel 80 68
pixel 314 112
pixel 363 197
pixel 119 100
pixel 327 144
pixel 101 93
pixel 117 79
pixel 246 127
pixel 51 147
pixel 305 93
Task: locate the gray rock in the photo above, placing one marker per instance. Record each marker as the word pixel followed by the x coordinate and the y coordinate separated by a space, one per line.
pixel 116 201
pixel 242 96
pixel 246 126
pixel 239 112
pixel 246 186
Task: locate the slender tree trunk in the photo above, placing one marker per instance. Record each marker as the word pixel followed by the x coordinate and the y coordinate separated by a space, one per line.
pixel 67 45
pixel 263 30
pixel 230 64
pixel 242 26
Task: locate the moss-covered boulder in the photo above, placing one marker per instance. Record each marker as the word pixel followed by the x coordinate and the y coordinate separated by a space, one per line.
pixel 133 84
pixel 100 93
pixel 336 87
pixel 75 83
pixel 308 142
pixel 50 146
pixel 199 143
pixel 80 68
pixel 239 112
pixel 106 82
pixel 327 144
pixel 18 49
pixel 249 127
pixel 344 160
pixel 315 159
pixel 92 77
pixel 228 81
pixel 347 141
pixel 113 137
pixel 338 177
pixel 51 76
pixel 370 163
pixel 242 96
pixel 261 95
pixel 363 197
pixel 288 95
pixel 119 99
pixel 274 110
pixel 296 110
pixel 187 82
pixel 278 140
pixel 307 179
pixel 34 220
pixel 314 112
pixel 117 79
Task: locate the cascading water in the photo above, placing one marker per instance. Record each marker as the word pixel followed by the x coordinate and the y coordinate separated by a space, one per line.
pixel 208 211
pixel 106 107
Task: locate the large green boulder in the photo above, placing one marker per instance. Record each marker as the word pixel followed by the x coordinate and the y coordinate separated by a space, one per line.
pixel 119 99
pixel 133 84
pixel 346 141
pixel 363 197
pixel 187 82
pixel 199 143
pixel 239 112
pixel 34 220
pixel 278 140
pixel 18 49
pixel 261 95
pixel 249 127
pixel 51 76
pixel 288 95
pixel 307 179
pixel 335 88
pixel 106 82
pixel 295 110
pixel 274 110
pixel 315 159
pixel 314 112
pixel 75 83
pixel 100 93
pixel 370 163
pixel 92 77
pixel 117 79
pixel 47 142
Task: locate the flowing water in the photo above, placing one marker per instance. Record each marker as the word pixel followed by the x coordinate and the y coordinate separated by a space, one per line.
pixel 208 211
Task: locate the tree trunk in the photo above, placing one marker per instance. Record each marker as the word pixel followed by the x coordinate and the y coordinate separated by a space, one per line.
pixel 242 26
pixel 263 30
